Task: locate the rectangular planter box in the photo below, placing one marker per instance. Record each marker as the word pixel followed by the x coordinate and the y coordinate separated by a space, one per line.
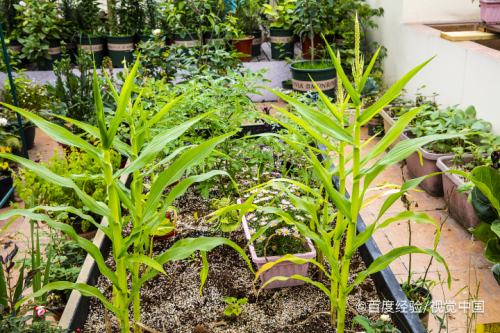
pixel 387 285
pixel 388 122
pixel 433 186
pixel 461 210
pixel 285 268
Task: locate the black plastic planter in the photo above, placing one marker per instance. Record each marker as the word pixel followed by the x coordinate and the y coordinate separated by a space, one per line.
pixel 71 50
pixel 288 84
pixel 120 48
pixel 281 43
pixel 55 54
pixel 185 41
pixel 388 287
pixel 324 78
pixel 29 132
pixel 256 43
pixel 95 45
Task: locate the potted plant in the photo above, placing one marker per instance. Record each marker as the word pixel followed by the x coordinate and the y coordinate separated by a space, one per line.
pixel 249 15
pixel 124 18
pixel 321 71
pixel 432 122
pixel 8 17
pixel 166 229
pixel 457 189
pixel 281 30
pixel 486 206
pixel 490 11
pixel 312 17
pixel 240 41
pixel 278 239
pixel 43 27
pixel 91 30
pixel 70 14
pixel 184 25
pixel 287 85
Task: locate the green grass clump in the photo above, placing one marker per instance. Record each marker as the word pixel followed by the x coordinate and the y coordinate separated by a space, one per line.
pixel 313 65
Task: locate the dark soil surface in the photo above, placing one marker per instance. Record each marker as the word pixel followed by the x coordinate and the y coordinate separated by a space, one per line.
pixel 173 303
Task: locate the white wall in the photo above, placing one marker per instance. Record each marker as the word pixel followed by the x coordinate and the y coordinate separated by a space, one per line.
pixel 462 73
pixel 439 10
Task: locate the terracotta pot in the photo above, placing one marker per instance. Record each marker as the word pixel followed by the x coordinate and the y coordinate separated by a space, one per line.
pixel 461 210
pixel 244 46
pixel 433 186
pixel 285 268
pixel 306 45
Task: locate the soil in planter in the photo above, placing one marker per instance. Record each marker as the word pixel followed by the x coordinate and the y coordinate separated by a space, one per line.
pixel 175 305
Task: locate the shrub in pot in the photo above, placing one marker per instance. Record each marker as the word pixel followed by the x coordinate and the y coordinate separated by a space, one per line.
pixel 249 19
pixel 43 28
pixel 281 31
pixel 311 18
pixel 241 42
pixel 91 30
pixel 125 18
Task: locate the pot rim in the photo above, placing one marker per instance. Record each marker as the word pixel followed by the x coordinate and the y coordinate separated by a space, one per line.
pixel 262 260
pixel 249 37
pixel 426 154
pixel 310 70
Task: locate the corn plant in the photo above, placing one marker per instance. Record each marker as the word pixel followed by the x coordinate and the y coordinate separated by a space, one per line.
pixel 144 216
pixel 326 129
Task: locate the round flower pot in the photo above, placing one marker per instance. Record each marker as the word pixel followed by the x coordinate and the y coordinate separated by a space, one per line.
pixel 71 49
pixel 256 42
pixel 185 41
pixel 120 48
pixel 325 79
pixel 94 45
pixel 281 43
pixel 490 11
pixel 29 132
pixel 306 45
pixel 288 85
pixel 88 234
pixel 460 209
pixel 55 54
pixel 433 186
pixel 5 186
pixel 244 46
pixel 165 237
pixel 374 127
pixel 15 46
